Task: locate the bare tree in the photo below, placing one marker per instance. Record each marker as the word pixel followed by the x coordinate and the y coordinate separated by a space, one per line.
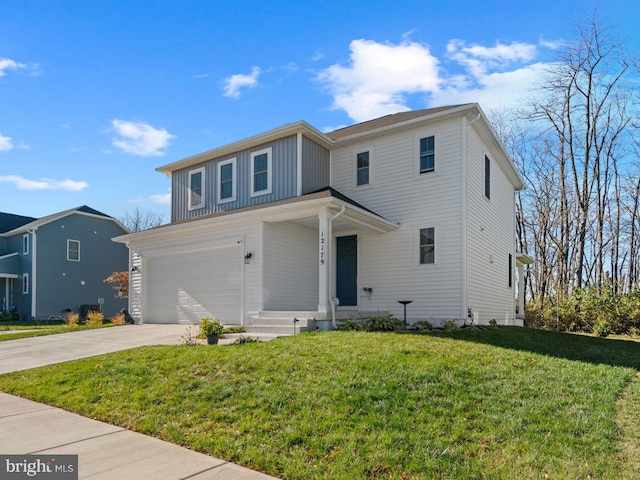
pixel 142 220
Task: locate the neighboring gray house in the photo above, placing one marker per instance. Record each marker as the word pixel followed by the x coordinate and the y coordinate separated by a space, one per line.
pixel 59 262
pixel 296 223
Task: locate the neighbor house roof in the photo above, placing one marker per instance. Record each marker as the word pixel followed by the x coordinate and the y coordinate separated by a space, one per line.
pixel 38 222
pixel 9 221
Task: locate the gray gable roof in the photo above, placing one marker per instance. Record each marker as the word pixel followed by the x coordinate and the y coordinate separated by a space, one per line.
pixel 9 221
pixel 388 120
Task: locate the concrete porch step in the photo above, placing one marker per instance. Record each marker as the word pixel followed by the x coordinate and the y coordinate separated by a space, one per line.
pixel 274 329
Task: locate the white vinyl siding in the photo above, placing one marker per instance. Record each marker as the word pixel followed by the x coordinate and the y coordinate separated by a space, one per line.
pixel 389 263
pixel 490 237
pixel 261 172
pixel 197 187
pixel 290 265
pixel 227 180
pixel 73 250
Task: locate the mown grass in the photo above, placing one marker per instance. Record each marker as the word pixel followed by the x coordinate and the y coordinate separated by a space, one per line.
pixel 499 403
pixel 29 328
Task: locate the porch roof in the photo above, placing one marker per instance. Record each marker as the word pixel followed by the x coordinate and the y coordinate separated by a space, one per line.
pixel 9 265
pixel 303 209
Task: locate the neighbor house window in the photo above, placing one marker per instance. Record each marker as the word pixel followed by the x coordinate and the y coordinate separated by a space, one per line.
pixel 73 250
pixel 196 188
pixel 487 177
pixel 362 168
pixel 25 283
pixel 261 172
pixel 427 154
pixel 227 181
pixel 25 244
pixel 427 245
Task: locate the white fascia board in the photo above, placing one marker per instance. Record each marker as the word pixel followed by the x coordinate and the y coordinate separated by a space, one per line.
pixel 270 136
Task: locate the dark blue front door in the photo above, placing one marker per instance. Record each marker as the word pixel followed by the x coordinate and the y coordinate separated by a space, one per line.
pixel 347 270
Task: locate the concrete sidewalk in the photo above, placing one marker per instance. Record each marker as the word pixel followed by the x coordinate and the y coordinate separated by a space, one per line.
pixel 105 452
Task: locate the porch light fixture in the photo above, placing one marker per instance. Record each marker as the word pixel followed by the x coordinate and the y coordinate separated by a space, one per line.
pixel 135 269
pixel 247 258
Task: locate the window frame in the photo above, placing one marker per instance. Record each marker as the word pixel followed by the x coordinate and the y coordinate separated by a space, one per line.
pixel 25 284
pixel 436 153
pixel 69 259
pixel 510 260
pixel 269 172
pixel 234 180
pixel 436 242
pixel 357 168
pixel 25 244
pixel 487 177
pixel 190 194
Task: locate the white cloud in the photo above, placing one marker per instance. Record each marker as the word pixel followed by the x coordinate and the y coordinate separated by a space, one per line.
pixel 43 184
pixel 5 143
pixel 162 199
pixel 140 138
pixel 380 76
pixel 8 64
pixel 234 83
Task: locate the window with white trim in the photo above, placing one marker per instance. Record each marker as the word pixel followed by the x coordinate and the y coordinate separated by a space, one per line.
pixel 261 172
pixel 25 244
pixel 362 168
pixel 427 151
pixel 73 250
pixel 227 181
pixel 25 283
pixel 196 188
pixel 427 245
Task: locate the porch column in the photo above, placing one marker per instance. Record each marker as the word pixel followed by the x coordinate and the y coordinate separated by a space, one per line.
pixel 520 290
pixel 324 242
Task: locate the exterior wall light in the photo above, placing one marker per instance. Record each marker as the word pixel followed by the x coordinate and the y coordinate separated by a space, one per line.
pixel 247 258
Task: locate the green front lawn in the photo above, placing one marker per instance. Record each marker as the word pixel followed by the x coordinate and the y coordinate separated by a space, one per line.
pixel 507 403
pixel 30 328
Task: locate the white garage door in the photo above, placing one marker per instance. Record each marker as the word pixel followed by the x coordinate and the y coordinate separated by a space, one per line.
pixel 185 288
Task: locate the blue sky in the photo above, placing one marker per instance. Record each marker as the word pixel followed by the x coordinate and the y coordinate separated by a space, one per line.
pixel 95 95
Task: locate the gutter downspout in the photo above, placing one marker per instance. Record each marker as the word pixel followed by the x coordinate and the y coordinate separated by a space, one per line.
pixel 34 264
pixel 332 300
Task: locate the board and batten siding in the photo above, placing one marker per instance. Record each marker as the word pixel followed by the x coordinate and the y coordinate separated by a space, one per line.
pixel 389 263
pixel 199 239
pixel 283 176
pixel 490 237
pixel 290 267
pixel 315 166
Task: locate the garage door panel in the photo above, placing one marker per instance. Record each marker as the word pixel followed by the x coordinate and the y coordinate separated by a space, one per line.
pixel 184 288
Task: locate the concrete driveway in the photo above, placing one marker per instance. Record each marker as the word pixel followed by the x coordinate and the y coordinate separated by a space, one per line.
pixel 105 452
pixel 26 353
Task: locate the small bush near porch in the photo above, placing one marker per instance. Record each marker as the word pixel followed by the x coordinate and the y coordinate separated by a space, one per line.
pixel 498 403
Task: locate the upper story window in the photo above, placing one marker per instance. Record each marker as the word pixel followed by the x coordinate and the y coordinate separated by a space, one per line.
pixel 196 188
pixel 25 244
pixel 428 154
pixel 427 245
pixel 362 168
pixel 73 250
pixel 487 177
pixel 261 172
pixel 227 181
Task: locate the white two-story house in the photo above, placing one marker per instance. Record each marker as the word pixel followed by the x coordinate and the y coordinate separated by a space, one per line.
pixel 417 206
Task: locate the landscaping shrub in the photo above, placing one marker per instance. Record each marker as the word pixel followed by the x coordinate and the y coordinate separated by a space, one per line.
pixel 423 325
pixel 118 319
pixel 71 319
pixel 94 319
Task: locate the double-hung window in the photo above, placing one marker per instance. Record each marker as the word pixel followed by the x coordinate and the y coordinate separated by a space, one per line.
pixel 227 181
pixel 25 244
pixel 196 188
pixel 362 168
pixel 261 172
pixel 427 245
pixel 73 250
pixel 25 283
pixel 427 154
pixel 487 177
